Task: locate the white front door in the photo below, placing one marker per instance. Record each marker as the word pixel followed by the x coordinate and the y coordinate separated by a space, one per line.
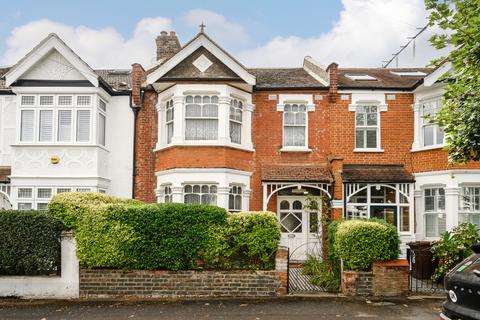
pixel 300 228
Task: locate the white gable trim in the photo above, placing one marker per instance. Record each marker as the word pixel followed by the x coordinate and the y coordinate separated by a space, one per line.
pixel 200 41
pixel 49 43
pixel 435 75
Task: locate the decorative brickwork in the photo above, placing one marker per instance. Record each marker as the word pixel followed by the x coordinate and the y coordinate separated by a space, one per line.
pixel 102 283
pixel 390 279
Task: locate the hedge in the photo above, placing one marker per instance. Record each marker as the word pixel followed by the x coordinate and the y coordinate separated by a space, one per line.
pixel 248 240
pixel 361 242
pixel 29 243
pixel 69 207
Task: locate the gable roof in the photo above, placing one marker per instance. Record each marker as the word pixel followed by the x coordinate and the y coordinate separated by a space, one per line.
pixel 52 41
pixel 200 40
pixel 386 78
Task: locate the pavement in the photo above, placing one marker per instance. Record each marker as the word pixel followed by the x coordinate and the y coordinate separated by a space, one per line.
pixel 297 308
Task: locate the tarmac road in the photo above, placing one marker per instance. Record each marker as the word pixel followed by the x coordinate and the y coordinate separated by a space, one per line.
pixel 277 308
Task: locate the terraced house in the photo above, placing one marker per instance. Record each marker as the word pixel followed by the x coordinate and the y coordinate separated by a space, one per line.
pixel 200 127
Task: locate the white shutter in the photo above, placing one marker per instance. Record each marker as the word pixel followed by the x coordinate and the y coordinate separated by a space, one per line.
pixel 101 129
pixel 64 125
pixel 45 125
pixel 83 125
pixel 27 125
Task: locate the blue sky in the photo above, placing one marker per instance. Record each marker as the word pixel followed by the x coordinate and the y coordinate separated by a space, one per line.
pixel 259 33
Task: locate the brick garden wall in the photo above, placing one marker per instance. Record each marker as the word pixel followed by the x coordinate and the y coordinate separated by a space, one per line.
pixel 103 283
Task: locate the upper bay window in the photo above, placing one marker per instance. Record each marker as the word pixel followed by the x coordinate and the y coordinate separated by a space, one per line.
pixel 201 118
pixel 206 115
pixel 366 127
pixel 432 133
pixel 60 119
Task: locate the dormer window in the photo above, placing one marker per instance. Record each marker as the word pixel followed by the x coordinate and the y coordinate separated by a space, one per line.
pixel 201 118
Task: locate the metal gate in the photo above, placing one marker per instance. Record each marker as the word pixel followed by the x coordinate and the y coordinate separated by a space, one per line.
pixel 421 269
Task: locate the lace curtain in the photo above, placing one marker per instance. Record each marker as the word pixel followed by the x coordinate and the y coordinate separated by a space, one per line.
pixel 294 121
pixel 201 118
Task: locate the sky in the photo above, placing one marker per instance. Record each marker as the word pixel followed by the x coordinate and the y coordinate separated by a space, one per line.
pixel 267 33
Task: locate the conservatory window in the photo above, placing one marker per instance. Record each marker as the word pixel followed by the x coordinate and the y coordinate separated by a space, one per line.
pixel 295 125
pixel 200 194
pixel 432 133
pixel 470 205
pixel 169 120
pixel 236 109
pixel 434 206
pixel 235 199
pixel 366 127
pixel 201 118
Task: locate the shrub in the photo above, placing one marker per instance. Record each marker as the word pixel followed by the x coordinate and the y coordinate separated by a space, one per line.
pixel 249 240
pixel 321 273
pixel 453 247
pixel 29 243
pixel 69 207
pixel 361 242
pixel 148 236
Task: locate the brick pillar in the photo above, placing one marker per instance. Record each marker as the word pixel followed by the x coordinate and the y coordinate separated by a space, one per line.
pixel 146 137
pixel 281 269
pixel 332 70
pixel 390 278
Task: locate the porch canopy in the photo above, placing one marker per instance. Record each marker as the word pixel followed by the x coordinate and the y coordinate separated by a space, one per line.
pixel 276 178
pixel 378 173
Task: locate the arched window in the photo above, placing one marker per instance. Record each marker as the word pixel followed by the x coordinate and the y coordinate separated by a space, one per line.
pixel 201 118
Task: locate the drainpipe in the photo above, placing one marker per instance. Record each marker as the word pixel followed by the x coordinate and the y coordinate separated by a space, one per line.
pixel 135 110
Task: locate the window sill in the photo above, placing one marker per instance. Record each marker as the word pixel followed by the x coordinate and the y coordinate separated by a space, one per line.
pixel 368 150
pixel 296 149
pixel 204 143
pixel 434 147
pixel 59 145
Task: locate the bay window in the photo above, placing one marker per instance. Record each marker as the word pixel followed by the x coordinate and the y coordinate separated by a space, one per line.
pixel 60 119
pixel 236 109
pixel 295 125
pixel 201 118
pixel 366 127
pixel 434 207
pixel 469 210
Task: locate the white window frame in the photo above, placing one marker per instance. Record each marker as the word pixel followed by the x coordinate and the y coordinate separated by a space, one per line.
pixel 236 106
pixel 466 214
pixel 201 193
pixel 169 107
pixel 55 107
pixel 437 213
pixel 284 125
pixel 381 107
pixel 202 104
pixel 235 195
pixel 425 123
pixel 35 199
pixel 102 112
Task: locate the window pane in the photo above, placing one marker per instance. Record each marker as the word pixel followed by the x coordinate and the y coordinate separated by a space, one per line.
pixel 65 100
pixel 360 119
pixel 101 129
pixel 83 125
pixel 64 125
pixel 192 198
pixel 429 203
pixel 359 139
pixel 83 100
pixel 46 125
pixel 356 212
pixel 382 194
pixel 284 205
pixel 235 132
pixel 27 125
pixel 439 135
pixel 294 136
pixel 46 100
pixel 24 206
pixel 404 219
pixel 428 132
pixel 28 100
pixel 201 129
pixel 371 138
pixel 193 110
pixel 430 225
pixel 372 119
pixel 297 205
pixel 25 193
pixel 44 193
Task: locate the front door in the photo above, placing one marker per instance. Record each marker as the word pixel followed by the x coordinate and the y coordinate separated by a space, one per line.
pixel 300 228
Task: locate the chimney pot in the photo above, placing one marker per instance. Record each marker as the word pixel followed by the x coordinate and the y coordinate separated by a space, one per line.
pixel 163 33
pixel 172 33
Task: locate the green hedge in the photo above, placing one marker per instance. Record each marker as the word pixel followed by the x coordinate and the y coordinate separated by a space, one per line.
pixel 29 243
pixel 69 207
pixel 361 242
pixel 248 240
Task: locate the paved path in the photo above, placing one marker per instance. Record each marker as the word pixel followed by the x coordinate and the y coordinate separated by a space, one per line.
pixel 298 282
pixel 278 309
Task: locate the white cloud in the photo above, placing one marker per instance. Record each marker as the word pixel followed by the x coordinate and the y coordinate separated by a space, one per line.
pixel 367 32
pixel 230 34
pixel 100 48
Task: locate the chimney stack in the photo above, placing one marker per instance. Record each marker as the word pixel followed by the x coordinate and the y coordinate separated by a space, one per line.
pixel 167 45
pixel 332 70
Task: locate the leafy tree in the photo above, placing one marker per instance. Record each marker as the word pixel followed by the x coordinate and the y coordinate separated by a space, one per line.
pixel 459 21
